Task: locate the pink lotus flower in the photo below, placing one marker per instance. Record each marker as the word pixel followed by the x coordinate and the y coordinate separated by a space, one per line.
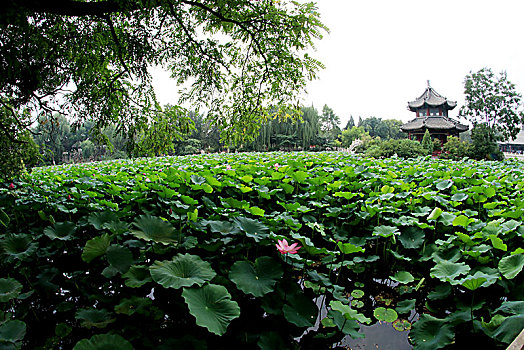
pixel 69 197
pixel 12 185
pixel 277 166
pixel 228 167
pixel 284 248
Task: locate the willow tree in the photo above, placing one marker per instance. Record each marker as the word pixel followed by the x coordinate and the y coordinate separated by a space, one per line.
pixel 301 131
pixel 91 59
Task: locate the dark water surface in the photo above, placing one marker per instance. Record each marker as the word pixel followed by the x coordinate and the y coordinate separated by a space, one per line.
pixel 379 336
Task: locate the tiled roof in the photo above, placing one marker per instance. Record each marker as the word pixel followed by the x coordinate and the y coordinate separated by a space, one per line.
pixel 434 123
pixel 431 98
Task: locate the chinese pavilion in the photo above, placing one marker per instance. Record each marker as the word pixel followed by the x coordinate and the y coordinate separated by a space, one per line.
pixel 432 114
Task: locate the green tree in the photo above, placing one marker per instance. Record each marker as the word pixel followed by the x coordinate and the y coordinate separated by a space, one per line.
pixel 350 123
pixel 297 132
pixel 17 149
pixel 484 144
pixel 493 100
pixel 427 143
pixel 90 59
pixel 455 149
pixel 158 136
pixel 329 124
pixel 54 137
pixel 350 135
pixel 393 126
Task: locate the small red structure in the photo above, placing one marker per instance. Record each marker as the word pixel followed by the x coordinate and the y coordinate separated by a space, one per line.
pixel 432 114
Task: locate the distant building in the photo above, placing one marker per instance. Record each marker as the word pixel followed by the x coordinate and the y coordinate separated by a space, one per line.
pixel 514 146
pixel 432 114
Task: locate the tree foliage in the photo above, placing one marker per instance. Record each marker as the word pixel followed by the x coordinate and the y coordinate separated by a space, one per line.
pixel 352 134
pixel 484 144
pixel 291 132
pixel 90 59
pixel 455 149
pixel 385 129
pixel 493 100
pixel 329 123
pixel 427 143
pixel 17 149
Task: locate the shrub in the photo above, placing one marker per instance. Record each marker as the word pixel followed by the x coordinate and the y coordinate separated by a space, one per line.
pixel 403 148
pixel 455 149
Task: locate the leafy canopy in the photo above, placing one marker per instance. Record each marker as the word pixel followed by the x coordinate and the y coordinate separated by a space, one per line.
pixel 492 100
pixel 90 59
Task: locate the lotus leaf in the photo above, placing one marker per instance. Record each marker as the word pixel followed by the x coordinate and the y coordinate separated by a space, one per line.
pixel 9 289
pixel 12 331
pixel 152 228
pixel 253 228
pixel 104 342
pixel 257 279
pixel 61 230
pixel 119 257
pixel 94 318
pixel 18 246
pixel 511 266
pixel 431 333
pixel 412 238
pixel 183 271
pixel 403 277
pixel 212 307
pixel 137 276
pixel 447 271
pixel 95 247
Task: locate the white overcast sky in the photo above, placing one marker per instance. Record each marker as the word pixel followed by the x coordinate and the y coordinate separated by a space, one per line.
pixel 380 53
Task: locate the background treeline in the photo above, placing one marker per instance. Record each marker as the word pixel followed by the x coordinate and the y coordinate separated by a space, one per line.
pixel 62 142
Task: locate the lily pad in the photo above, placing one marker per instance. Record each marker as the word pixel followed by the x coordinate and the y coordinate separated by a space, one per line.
pixel 212 307
pixel 402 325
pixel 183 271
pixel 348 312
pixel 104 342
pixel 95 247
pixel 94 318
pixel 101 219
pixel 412 238
pixel 12 331
pixel 403 277
pixel 257 279
pixel 18 246
pixel 152 228
pixel 385 231
pixel 348 248
pixel 9 289
pixel 357 293
pixel 511 266
pixel 253 228
pixel 300 310
pixel 137 276
pixel 119 257
pixel 405 306
pixel 447 271
pixel 63 231
pixel 444 184
pixel 431 333
pixel 385 314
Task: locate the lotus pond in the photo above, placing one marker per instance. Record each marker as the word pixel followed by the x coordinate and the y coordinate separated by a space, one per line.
pixel 181 252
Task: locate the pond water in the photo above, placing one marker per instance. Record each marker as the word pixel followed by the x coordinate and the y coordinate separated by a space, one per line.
pixel 378 336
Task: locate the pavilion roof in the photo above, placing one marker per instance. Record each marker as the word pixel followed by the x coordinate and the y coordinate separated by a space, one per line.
pixel 431 98
pixel 434 123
